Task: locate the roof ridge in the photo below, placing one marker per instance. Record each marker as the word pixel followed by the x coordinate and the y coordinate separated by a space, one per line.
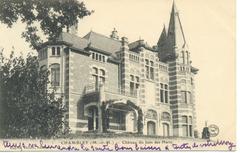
pixel 71 35
pixel 89 33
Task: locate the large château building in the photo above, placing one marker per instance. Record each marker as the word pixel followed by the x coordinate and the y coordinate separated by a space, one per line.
pixel 110 84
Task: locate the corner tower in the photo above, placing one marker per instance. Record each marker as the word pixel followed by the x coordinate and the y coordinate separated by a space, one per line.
pixel 173 50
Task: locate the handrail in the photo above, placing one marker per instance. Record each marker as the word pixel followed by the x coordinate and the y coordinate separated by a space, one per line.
pixel 90 88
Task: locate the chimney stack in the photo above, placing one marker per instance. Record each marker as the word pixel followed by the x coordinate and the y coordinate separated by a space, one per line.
pixel 73 29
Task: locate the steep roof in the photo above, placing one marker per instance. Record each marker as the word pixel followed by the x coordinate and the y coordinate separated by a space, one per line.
pixel 163 37
pixel 75 41
pixel 102 42
pixel 175 31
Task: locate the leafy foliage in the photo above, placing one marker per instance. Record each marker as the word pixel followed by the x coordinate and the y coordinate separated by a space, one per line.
pixel 52 16
pixel 28 109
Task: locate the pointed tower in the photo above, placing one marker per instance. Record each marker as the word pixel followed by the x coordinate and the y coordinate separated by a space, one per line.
pixel 176 36
pixel 173 50
pixel 163 38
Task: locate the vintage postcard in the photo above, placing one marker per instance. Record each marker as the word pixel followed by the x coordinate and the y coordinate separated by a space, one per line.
pixel 108 75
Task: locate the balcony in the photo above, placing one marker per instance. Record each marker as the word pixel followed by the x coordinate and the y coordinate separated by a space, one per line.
pixel 111 95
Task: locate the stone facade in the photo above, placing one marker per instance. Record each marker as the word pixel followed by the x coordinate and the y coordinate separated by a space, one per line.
pixel 109 84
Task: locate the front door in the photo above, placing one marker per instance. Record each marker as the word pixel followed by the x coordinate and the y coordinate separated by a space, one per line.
pixel 92 118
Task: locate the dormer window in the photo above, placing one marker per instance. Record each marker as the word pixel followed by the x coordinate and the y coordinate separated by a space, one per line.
pixel 98 57
pixel 56 51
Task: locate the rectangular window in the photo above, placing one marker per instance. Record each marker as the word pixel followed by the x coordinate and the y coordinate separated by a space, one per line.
pixel 161 85
pixel 93 55
pixel 132 77
pixel 188 97
pixel 185 130
pixel 183 95
pixel 190 119
pixel 147 62
pixel 151 73
pixel 96 56
pixel 137 79
pixel 95 78
pixel 166 96
pixel 162 95
pixel 101 80
pixel 55 76
pixel 103 58
pixel 134 84
pixel 131 88
pixel 151 63
pixel 184 119
pixel 190 130
pixel 147 71
pixel 137 86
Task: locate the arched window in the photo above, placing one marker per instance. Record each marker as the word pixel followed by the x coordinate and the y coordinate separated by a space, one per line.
pixel 55 74
pixel 95 70
pixel 58 51
pixel 165 129
pixel 151 128
pixel 102 72
pixel 53 51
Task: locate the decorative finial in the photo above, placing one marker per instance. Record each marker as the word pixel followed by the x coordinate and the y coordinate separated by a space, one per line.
pixel 114 34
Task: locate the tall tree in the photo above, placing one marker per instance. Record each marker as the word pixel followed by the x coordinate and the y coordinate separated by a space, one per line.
pixel 48 16
pixel 29 110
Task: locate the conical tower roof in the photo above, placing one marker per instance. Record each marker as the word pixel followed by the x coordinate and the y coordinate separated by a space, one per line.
pixel 163 37
pixel 175 33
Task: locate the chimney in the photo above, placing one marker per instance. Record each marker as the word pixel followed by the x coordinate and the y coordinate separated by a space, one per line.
pixel 124 43
pixel 73 29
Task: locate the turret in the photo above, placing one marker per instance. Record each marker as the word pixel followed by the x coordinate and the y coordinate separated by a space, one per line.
pixel 173 50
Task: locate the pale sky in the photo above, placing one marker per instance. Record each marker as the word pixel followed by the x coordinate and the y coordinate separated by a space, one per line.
pixel 209 27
